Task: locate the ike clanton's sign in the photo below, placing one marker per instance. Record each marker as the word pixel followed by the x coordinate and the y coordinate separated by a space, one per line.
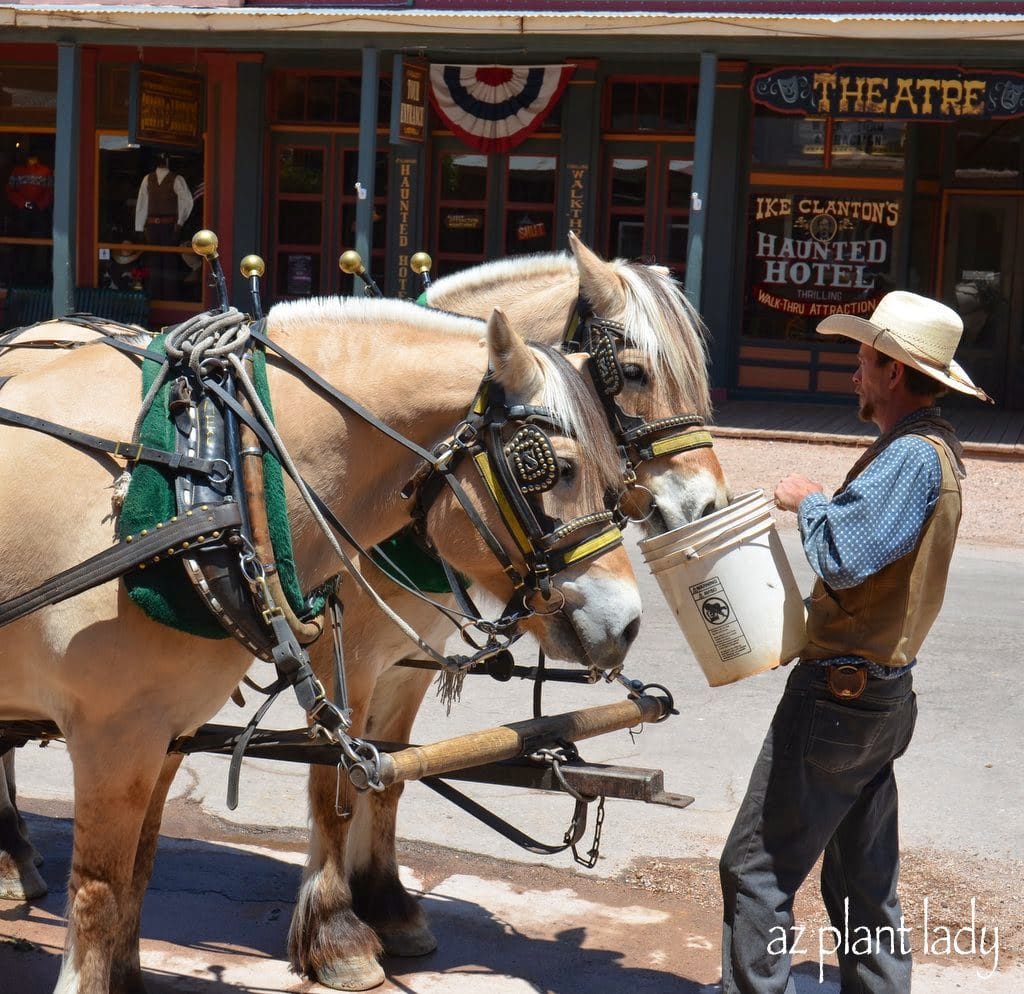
pixel 812 255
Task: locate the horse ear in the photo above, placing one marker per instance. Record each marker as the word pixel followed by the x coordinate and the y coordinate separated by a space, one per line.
pixel 600 285
pixel 512 363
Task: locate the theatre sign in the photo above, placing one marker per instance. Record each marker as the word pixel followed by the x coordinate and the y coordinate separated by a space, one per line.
pixel 903 93
pixel 811 256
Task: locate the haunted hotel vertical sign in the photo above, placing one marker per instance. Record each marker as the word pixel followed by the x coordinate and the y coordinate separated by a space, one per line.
pixel 813 255
pixel 409 82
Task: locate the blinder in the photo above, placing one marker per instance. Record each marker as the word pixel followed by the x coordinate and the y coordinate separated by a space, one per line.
pixel 639 440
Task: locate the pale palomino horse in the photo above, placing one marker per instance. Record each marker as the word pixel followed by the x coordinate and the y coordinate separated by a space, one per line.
pixel 121 687
pixel 353 861
pixel 351 880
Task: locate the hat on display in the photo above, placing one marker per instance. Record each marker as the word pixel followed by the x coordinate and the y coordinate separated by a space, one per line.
pixel 125 257
pixel 917 331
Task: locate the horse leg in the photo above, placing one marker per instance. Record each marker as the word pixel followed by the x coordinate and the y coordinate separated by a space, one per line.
pixel 116 771
pixel 327 941
pixel 378 895
pixel 19 878
pixel 126 968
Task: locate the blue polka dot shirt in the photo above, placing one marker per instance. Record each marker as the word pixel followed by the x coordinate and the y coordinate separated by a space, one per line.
pixel 875 521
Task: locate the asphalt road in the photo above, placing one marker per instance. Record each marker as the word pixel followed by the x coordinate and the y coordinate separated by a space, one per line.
pixel 646 917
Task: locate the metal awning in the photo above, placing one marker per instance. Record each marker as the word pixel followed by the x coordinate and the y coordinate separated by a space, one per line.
pixel 908 21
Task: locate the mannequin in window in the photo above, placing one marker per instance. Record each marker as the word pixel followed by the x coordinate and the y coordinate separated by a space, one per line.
pixel 163 204
pixel 30 194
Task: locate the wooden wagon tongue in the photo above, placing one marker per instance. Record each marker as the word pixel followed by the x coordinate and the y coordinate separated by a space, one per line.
pixel 519 738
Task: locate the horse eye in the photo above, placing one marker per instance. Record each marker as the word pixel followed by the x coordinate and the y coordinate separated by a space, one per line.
pixel 634 372
pixel 566 471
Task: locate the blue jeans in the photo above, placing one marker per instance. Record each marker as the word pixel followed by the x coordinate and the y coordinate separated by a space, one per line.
pixel 823 783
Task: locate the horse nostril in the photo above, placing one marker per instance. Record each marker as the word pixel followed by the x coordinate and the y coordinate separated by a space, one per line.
pixel 630 632
pixel 709 508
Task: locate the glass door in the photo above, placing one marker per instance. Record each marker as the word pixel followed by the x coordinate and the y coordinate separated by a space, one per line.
pixel 312 217
pixel 982 273
pixel 648 189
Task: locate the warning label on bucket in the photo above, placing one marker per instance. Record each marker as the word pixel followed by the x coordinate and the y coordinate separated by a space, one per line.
pixel 722 624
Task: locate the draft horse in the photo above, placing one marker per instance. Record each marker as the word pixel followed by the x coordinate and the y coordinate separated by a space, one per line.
pixel 121 687
pixel 352 904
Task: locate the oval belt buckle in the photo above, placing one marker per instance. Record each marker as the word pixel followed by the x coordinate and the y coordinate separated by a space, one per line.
pixel 847 682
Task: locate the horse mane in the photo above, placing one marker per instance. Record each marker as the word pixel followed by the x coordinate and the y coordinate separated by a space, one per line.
pixel 659 320
pixel 556 266
pixel 663 324
pixel 565 392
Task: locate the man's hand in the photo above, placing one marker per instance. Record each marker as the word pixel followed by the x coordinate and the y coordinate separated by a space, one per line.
pixel 793 489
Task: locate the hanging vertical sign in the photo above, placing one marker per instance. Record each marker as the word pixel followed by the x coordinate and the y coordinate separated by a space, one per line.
pixel 579 176
pixel 811 256
pixel 409 88
pixel 404 218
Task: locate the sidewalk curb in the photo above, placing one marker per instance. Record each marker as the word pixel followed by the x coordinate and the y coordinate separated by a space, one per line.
pixel 984 450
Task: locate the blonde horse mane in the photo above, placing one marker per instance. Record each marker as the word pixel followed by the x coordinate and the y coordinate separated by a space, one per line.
pixel 660 321
pixel 564 391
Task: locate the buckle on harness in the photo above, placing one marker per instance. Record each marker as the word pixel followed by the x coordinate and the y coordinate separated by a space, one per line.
pixel 130 457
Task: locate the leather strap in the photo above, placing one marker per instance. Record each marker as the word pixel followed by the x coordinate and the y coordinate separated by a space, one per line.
pixel 130 451
pixel 194 528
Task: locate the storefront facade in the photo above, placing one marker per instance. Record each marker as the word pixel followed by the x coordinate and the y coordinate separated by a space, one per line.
pixel 795 187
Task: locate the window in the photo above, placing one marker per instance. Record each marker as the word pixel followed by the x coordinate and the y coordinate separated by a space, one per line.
pixel 324 98
pixel 26 208
pixel 649 105
pixel 28 94
pixel 789 141
pixel 147 246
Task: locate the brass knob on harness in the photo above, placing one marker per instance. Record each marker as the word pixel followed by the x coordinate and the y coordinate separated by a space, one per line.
pixel 252 265
pixel 205 243
pixel 351 262
pixel 421 263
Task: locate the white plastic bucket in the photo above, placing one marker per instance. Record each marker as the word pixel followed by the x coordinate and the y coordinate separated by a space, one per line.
pixel 731 589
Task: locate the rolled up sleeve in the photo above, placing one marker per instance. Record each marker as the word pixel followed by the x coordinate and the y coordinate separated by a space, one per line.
pixel 877 519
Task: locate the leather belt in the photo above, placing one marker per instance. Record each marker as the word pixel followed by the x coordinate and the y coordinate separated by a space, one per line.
pixel 162 219
pixel 847 682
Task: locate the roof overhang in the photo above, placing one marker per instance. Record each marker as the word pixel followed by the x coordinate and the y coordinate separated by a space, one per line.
pixel 939 25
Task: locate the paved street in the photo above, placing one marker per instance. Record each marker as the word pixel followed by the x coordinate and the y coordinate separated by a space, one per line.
pixel 646 917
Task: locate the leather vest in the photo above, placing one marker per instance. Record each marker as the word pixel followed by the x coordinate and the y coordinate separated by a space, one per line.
pixel 163 200
pixel 886 618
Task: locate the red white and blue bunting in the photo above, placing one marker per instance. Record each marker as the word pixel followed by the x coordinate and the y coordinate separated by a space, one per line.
pixel 494 108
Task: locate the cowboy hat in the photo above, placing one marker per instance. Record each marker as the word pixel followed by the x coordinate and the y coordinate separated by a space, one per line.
pixel 917 331
pixel 124 257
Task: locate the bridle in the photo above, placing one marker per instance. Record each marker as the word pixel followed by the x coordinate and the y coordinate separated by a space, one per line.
pixel 638 440
pixel 513 454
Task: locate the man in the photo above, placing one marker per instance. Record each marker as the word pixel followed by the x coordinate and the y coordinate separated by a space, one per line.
pixel 823 782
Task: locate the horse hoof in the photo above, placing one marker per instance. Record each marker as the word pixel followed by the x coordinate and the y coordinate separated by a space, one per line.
pixel 22 885
pixel 354 973
pixel 418 941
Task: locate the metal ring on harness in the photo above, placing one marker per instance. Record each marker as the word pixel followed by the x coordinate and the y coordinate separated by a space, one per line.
pixel 628 493
pixel 533 593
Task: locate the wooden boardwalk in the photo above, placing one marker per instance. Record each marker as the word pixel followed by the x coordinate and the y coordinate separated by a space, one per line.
pixel 982 429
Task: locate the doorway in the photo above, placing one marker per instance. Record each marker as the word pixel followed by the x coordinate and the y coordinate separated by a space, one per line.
pixel 982 278
pixel 312 216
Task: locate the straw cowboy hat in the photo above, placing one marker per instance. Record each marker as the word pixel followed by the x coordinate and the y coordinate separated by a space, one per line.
pixel 917 331
pixel 125 257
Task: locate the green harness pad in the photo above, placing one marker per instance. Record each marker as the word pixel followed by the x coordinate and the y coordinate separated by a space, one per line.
pixel 162 590
pixel 414 562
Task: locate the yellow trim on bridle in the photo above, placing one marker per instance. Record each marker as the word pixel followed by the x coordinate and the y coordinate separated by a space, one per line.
pixel 483 464
pixel 608 537
pixel 682 443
